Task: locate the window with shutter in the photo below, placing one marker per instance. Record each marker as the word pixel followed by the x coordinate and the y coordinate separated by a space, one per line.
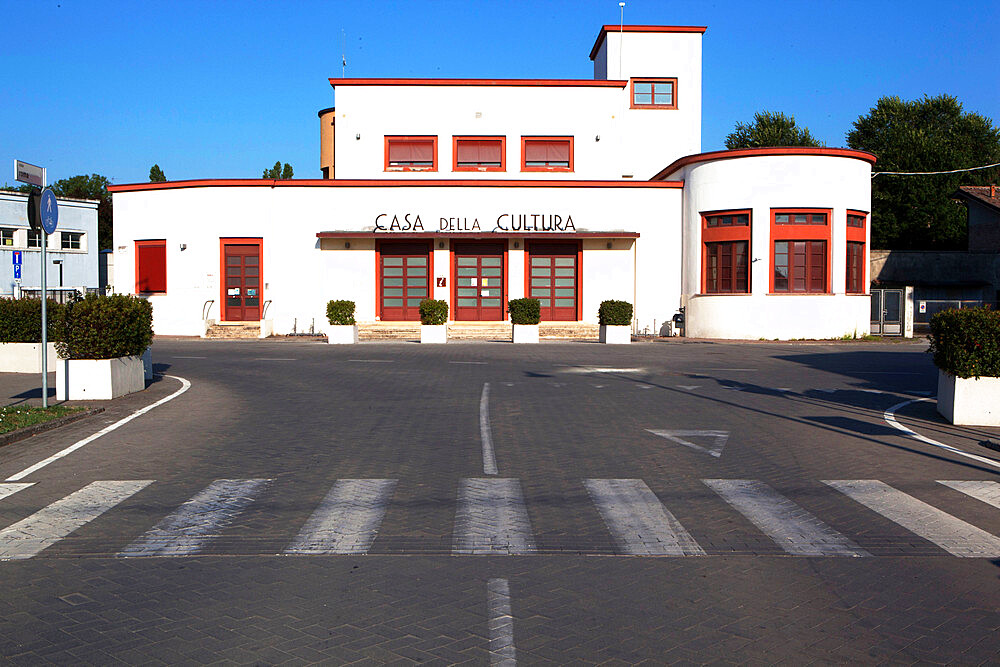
pixel 480 153
pixel 411 153
pixel 151 267
pixel 546 153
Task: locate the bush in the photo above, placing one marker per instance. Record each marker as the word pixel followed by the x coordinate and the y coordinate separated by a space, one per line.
pixel 21 320
pixel 340 312
pixel 524 311
pixel 615 313
pixel 433 311
pixel 105 327
pixel 966 343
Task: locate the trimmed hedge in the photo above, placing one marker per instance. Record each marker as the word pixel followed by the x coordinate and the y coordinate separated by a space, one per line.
pixel 105 327
pixel 966 343
pixel 615 313
pixel 433 311
pixel 340 312
pixel 21 320
pixel 524 311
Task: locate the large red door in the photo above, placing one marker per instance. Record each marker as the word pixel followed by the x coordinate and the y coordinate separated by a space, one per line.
pixel 404 280
pixel 479 281
pixel 554 279
pixel 243 281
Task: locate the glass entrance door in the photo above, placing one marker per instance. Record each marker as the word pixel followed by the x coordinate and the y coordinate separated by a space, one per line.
pixel 404 280
pixel 242 282
pixel 554 279
pixel 479 281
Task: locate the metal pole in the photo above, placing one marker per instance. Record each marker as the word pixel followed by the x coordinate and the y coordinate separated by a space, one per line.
pixel 45 325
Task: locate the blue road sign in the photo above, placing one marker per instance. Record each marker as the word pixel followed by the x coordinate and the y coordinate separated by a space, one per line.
pixel 17 272
pixel 49 211
pixel 15 257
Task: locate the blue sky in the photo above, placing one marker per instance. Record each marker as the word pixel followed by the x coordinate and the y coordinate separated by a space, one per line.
pixel 224 89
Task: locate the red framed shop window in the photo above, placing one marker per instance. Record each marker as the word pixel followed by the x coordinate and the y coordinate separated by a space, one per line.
pixel 151 267
pixel 411 154
pixel 725 255
pixel 654 93
pixel 856 256
pixel 800 250
pixel 546 153
pixel 480 153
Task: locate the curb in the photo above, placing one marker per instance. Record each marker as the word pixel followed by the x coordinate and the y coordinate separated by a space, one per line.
pixel 28 431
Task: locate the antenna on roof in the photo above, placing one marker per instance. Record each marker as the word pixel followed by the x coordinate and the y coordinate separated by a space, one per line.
pixel 621 41
pixel 343 54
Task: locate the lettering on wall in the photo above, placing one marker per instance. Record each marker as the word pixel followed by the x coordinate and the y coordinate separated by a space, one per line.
pixel 505 222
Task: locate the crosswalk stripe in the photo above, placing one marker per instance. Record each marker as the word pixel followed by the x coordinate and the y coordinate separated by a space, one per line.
pixel 28 537
pixel 955 536
pixel 347 520
pixel 793 528
pixel 491 518
pixel 185 531
pixel 639 522
pixel 10 488
pixel 988 492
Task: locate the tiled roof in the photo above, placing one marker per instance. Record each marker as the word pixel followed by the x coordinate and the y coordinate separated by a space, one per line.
pixel 984 194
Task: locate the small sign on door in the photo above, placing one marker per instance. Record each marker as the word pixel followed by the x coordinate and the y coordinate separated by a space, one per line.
pixel 440 282
pixel 234 291
pixel 923 306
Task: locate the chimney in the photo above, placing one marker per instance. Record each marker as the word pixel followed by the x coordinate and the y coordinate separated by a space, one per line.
pixel 993 190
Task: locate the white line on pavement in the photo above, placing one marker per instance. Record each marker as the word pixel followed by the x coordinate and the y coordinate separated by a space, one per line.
pixel 502 652
pixel 485 433
pixel 988 492
pixel 347 520
pixel 491 519
pixel 185 385
pixel 372 361
pixel 890 418
pixel 11 489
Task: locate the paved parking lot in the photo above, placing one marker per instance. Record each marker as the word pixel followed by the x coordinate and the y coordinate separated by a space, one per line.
pixel 664 502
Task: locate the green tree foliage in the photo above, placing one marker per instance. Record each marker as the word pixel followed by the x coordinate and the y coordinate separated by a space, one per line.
pixel 770 128
pixel 94 186
pixel 279 172
pixel 23 188
pixel 156 174
pixel 932 134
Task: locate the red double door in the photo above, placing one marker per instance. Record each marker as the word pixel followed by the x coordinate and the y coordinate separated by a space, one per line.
pixel 404 279
pixel 242 282
pixel 479 280
pixel 554 279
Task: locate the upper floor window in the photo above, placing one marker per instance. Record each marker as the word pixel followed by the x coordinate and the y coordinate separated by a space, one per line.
pixel 546 153
pixel 71 241
pixel 411 153
pixel 654 93
pixel 726 252
pixel 6 236
pixel 727 220
pixel 480 153
pixel 855 220
pixel 34 239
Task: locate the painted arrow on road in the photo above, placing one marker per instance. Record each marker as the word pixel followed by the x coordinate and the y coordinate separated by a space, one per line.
pixel 716 439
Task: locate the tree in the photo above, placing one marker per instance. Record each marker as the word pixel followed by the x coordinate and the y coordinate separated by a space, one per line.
pixel 94 186
pixel 932 134
pixel 770 128
pixel 279 172
pixel 156 174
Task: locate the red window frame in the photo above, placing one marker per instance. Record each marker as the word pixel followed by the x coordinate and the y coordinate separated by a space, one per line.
pixel 719 234
pixel 810 233
pixel 857 239
pixel 672 81
pixel 399 140
pixel 502 141
pixel 151 266
pixel 525 141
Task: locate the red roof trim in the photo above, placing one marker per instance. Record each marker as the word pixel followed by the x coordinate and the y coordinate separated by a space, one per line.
pixel 477 235
pixel 763 152
pixel 548 83
pixel 388 183
pixel 642 28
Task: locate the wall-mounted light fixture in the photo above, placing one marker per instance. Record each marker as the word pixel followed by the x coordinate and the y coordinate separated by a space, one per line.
pixel 610 244
pixel 517 244
pixel 441 244
pixel 347 244
pixel 358 136
pixel 597 138
pixel 184 246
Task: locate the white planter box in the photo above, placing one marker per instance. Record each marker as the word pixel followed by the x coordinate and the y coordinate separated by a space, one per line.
pixel 98 379
pixel 617 334
pixel 433 333
pixel 25 357
pixel 342 334
pixel 525 333
pixel 969 402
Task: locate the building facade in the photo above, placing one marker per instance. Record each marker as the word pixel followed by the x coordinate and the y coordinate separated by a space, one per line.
pixel 489 190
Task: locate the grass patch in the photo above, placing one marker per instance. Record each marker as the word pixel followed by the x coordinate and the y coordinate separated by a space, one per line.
pixel 13 417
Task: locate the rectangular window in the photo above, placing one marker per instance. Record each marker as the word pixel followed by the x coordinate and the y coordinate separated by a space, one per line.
pixel 728 220
pixel 411 153
pixel 151 267
pixel 726 268
pixel 854 220
pixel 855 267
pixel 480 153
pixel 34 239
pixel 654 93
pixel 71 240
pixel 546 153
pixel 6 236
pixel 800 218
pixel 800 267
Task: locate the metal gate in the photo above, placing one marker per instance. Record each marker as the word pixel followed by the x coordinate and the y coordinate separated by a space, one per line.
pixel 887 312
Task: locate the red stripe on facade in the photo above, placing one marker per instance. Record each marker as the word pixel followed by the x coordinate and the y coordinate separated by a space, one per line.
pixel 642 28
pixel 393 183
pixel 761 152
pixel 547 83
pixel 476 235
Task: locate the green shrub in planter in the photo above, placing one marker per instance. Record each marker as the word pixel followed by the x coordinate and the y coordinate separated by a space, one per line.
pixel 524 311
pixel 340 312
pixel 615 313
pixel 966 343
pixel 105 327
pixel 21 320
pixel 433 311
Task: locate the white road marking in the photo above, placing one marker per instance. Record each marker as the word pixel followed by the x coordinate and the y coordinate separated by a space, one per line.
pixel 185 531
pixel 485 433
pixel 785 390
pixel 491 519
pixel 828 391
pixel 688 387
pixel 178 357
pixel 468 362
pixel 890 418
pixel 598 386
pixel 11 489
pixel 643 386
pixel 718 438
pixel 639 522
pixel 955 536
pixel 47 526
pixel 601 369
pixel 988 492
pixel 185 385
pixel 272 359
pixel 373 361
pixel 507 384
pixel 502 652
pixel 794 529
pixel 347 520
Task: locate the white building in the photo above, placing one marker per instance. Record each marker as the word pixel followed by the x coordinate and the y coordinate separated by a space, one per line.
pixel 488 190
